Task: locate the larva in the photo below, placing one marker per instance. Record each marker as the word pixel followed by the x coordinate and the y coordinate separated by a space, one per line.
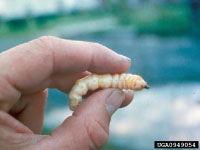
pixel 95 81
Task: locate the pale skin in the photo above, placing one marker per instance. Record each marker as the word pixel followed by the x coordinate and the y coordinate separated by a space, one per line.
pixel 28 70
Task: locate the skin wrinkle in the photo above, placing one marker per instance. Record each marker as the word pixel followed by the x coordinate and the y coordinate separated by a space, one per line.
pixel 13 98
pixel 46 54
pixel 12 123
pixel 89 65
pixel 53 61
pixel 73 138
pixel 34 103
pixel 12 84
pixel 17 91
pixel 102 126
pixel 96 122
pixel 20 143
pixel 95 125
pixel 43 55
pixel 15 113
pixel 95 146
pixel 53 53
pixel 26 142
pixel 93 143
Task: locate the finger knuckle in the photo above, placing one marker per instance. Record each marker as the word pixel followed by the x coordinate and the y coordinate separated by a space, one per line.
pixel 98 45
pixel 45 38
pixel 45 41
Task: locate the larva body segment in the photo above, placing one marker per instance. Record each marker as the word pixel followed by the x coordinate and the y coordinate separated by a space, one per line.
pixel 105 81
pixel 94 81
pixel 115 79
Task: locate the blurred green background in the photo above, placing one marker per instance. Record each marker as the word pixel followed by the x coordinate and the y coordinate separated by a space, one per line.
pixel 162 37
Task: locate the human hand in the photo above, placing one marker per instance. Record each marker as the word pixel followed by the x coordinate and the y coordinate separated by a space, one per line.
pixel 26 71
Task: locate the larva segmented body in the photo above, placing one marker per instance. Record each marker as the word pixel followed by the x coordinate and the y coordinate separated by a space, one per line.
pixel 94 81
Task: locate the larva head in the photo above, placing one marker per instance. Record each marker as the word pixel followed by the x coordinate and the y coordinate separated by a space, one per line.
pixel 140 83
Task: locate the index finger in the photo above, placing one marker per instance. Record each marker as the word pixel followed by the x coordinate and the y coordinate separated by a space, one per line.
pixel 78 56
pixel 30 64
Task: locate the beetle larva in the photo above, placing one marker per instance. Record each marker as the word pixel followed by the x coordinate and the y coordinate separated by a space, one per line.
pixel 95 81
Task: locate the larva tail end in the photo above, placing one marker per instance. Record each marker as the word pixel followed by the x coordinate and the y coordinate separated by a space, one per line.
pixel 147 86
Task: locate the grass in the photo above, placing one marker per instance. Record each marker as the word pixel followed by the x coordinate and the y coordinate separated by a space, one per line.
pixel 114 146
pixel 168 20
pixel 164 20
pixel 30 25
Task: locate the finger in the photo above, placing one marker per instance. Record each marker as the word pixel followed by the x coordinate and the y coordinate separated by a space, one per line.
pixel 79 56
pixel 88 127
pixel 29 110
pixel 128 93
pixel 129 97
pixel 11 124
pixel 31 64
pixel 64 82
pixel 90 92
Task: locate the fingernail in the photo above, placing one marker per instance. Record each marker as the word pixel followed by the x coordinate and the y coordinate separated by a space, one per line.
pixel 114 101
pixel 124 57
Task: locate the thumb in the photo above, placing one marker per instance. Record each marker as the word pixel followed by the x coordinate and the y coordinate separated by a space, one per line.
pixel 88 127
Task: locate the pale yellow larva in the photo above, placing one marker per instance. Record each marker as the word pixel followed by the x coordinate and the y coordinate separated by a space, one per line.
pixel 95 81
